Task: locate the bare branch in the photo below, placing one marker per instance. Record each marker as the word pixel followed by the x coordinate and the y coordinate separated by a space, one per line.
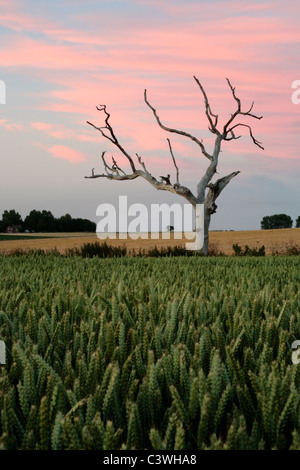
pixel 113 172
pixel 107 168
pixel 256 142
pixel 165 185
pixel 112 138
pixel 116 167
pixel 234 96
pixel 220 184
pixel 208 112
pixel 142 163
pixel 132 176
pixel 248 112
pixel 174 161
pixel 214 190
pixel 100 130
pixel 238 111
pixel 168 129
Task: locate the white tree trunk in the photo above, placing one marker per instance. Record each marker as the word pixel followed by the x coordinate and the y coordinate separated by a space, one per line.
pixel 199 227
pixel 207 217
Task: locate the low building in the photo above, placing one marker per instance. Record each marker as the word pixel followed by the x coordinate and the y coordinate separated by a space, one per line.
pixel 13 229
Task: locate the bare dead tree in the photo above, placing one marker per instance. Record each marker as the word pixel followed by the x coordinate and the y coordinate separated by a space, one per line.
pixel 207 191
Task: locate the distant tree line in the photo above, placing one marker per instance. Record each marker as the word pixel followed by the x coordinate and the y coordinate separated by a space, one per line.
pixel 278 221
pixel 44 221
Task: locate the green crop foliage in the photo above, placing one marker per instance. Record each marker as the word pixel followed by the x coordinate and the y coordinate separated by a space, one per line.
pixel 149 353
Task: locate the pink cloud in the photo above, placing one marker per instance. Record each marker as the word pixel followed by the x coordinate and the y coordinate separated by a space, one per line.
pixel 43 55
pixel 12 17
pixel 11 126
pixel 87 138
pixel 66 153
pixel 150 49
pixel 155 49
pixel 56 131
pixel 59 132
pixel 41 126
pixel 162 60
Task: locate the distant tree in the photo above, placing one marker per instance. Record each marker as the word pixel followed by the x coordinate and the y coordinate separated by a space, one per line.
pixel 276 221
pixel 32 221
pixel 65 223
pixel 48 222
pixel 84 225
pixel 44 221
pixel 298 222
pixel 40 221
pixel 10 218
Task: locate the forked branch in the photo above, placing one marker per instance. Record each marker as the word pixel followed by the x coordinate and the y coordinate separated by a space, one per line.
pixel 255 141
pixel 176 131
pixel 229 130
pixel 111 136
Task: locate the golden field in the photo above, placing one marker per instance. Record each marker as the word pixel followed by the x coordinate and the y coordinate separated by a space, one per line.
pixel 273 240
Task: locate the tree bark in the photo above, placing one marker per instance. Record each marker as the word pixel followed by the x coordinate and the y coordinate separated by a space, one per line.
pixel 210 207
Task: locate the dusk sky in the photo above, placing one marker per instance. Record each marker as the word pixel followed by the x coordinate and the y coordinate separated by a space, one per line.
pixel 61 59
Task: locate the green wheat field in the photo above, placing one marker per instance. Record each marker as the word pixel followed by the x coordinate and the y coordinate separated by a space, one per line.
pixel 143 353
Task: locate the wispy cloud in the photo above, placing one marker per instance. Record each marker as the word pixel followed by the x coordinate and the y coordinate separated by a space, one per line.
pixel 66 153
pixel 10 125
pixel 58 131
